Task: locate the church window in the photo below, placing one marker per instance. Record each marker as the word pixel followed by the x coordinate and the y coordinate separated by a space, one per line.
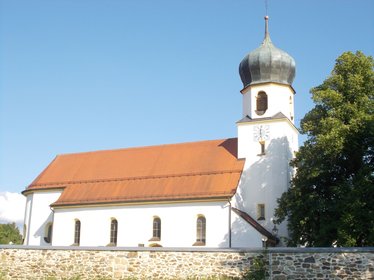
pixel 156 235
pixel 200 231
pixel 113 232
pixel 261 103
pixel 77 233
pixel 260 211
pixel 48 233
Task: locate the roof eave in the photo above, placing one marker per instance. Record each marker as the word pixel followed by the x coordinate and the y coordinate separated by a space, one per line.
pixel 32 190
pixel 264 83
pixel 78 204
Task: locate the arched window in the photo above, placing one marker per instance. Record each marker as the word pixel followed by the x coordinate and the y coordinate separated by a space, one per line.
pixel 261 103
pixel 48 233
pixel 200 231
pixel 156 236
pixel 77 233
pixel 113 232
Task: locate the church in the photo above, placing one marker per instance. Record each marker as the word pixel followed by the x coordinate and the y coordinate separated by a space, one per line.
pixel 217 193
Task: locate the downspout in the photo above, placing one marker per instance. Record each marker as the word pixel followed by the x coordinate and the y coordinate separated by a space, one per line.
pixel 229 223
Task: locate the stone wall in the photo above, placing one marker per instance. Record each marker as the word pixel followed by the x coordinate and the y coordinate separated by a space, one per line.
pixel 329 263
pixel 19 262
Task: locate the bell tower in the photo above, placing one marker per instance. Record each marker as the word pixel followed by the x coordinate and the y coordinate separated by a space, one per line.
pixel 267 74
pixel 267 136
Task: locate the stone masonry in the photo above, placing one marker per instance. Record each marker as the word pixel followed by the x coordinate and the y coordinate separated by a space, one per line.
pixel 20 262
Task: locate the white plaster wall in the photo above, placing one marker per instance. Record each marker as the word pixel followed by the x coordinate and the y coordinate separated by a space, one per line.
pixel 27 219
pixel 38 215
pixel 279 98
pixel 243 235
pixel 178 224
pixel 265 177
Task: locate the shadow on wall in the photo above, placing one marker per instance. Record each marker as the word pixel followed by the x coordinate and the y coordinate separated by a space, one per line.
pixel 243 233
pixel 266 180
pixel 42 230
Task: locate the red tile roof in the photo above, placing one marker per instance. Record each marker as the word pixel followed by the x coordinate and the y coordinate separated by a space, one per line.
pixel 197 170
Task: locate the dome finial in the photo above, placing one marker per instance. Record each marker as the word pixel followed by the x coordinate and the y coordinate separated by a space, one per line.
pixel 267 35
pixel 267 64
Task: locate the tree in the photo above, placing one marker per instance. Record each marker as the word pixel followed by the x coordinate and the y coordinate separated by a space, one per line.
pixel 331 199
pixel 10 233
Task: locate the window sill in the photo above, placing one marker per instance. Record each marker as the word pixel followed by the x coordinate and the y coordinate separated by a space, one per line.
pixel 199 243
pixel 260 113
pixel 155 239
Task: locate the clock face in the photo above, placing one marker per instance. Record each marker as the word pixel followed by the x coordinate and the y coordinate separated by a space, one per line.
pixel 261 132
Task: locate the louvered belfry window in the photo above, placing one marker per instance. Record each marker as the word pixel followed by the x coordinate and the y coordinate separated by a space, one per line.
pixel 261 103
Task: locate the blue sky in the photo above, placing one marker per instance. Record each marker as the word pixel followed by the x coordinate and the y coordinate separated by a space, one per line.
pixel 82 75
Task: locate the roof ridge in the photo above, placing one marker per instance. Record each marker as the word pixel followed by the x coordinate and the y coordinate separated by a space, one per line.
pixel 138 178
pixel 144 147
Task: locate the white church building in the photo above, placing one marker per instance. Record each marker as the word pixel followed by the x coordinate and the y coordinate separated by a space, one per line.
pixel 218 193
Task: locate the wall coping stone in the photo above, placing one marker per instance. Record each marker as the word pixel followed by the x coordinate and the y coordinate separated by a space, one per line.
pixel 205 249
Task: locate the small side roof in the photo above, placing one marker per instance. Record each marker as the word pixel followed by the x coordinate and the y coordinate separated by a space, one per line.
pixel 246 217
pixel 247 118
pixel 196 170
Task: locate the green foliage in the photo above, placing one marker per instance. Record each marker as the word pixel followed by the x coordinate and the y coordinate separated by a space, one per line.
pixel 331 201
pixel 257 271
pixel 10 233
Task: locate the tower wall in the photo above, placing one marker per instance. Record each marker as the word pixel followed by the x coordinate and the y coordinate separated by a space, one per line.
pixel 266 175
pixel 280 99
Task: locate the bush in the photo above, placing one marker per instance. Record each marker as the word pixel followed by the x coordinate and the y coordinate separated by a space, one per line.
pixel 257 271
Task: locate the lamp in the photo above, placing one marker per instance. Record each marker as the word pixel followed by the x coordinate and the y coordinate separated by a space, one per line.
pixel 274 231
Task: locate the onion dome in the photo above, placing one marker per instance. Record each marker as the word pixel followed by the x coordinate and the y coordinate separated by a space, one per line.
pixel 266 64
